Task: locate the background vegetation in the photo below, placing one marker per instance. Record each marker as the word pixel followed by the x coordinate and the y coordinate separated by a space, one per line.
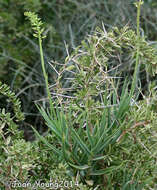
pixel 68 25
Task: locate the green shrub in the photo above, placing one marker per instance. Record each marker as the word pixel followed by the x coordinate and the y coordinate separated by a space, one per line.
pixel 23 164
pixel 93 69
pixel 93 148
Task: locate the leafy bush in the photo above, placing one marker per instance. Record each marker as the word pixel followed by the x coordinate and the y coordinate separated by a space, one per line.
pixel 95 66
pixel 23 164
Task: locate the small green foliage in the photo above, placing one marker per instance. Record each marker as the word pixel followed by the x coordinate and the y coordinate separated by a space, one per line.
pixel 5 90
pixel 17 159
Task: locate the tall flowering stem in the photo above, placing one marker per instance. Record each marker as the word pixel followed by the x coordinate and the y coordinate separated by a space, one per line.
pixel 134 82
pixel 37 26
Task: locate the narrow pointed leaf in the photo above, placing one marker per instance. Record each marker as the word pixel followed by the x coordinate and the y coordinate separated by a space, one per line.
pixel 99 158
pixel 47 143
pixel 84 167
pixel 106 171
pixel 80 142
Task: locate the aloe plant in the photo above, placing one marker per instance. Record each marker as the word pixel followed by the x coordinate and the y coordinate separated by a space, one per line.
pixel 88 144
pixel 87 149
